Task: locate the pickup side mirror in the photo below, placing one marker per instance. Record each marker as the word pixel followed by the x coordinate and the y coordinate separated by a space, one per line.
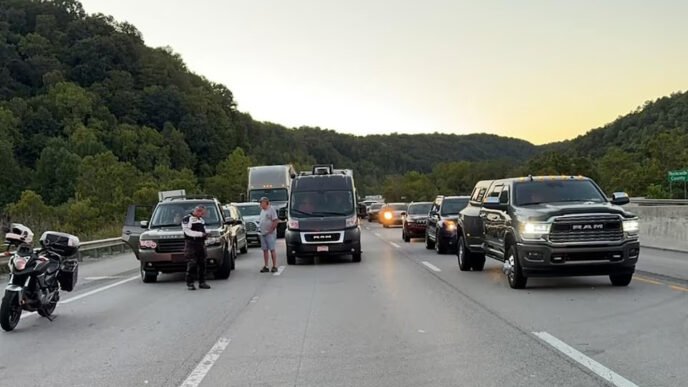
pixel 282 213
pixel 229 221
pixel 620 198
pixel 494 204
pixel 144 224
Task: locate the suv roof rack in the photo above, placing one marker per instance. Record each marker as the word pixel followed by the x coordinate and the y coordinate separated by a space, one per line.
pixel 190 197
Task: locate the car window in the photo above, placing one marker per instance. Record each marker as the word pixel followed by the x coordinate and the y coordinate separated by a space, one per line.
pixel 249 210
pixel 504 195
pixel 495 191
pixel 171 214
pixel 453 206
pixel 419 209
pixel 556 191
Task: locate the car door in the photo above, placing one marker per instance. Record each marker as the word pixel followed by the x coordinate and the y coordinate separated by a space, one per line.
pixel 503 222
pixel 133 228
pixel 433 219
pixel 240 227
pixel 491 222
pixel 470 217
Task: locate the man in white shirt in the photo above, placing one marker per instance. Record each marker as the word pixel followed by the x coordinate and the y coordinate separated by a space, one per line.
pixel 268 233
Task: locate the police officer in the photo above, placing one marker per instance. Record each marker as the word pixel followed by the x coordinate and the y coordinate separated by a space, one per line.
pixel 194 249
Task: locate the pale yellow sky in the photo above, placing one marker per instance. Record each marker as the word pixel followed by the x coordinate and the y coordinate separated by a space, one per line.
pixel 538 70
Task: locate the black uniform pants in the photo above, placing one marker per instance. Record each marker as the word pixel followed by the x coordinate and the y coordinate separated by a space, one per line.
pixel 195 263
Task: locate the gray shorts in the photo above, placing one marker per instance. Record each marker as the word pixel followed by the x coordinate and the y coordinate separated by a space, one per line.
pixel 268 242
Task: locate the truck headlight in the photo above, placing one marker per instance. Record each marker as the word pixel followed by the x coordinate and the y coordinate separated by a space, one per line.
pixel 352 221
pixel 212 241
pixel 450 225
pixel 147 245
pixel 533 230
pixel 387 215
pixel 293 224
pixel 631 226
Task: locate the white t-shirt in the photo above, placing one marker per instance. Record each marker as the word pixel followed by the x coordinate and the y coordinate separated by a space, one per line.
pixel 267 216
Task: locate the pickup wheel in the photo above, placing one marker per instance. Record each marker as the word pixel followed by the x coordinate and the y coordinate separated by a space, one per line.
pixel 621 279
pixel 463 255
pixel 428 243
pixel 225 269
pixel 512 267
pixel 478 262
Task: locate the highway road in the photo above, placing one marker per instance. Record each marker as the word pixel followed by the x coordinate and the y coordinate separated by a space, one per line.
pixel 404 316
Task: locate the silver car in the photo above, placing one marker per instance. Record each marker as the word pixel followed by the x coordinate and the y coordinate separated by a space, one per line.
pixel 250 212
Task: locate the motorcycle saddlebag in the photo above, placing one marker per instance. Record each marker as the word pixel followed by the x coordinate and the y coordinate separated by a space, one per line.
pixel 67 277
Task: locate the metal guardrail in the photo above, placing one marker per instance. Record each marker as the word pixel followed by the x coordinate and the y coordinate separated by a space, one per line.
pixel 91 248
pixel 659 202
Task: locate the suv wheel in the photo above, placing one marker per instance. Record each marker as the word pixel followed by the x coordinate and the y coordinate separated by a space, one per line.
pixel 463 256
pixel 225 268
pixel 621 279
pixel 478 262
pixel 405 236
pixel 428 243
pixel 512 268
pixel 148 276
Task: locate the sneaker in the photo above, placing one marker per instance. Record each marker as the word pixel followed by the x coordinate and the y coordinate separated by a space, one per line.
pixel 190 286
pixel 265 270
pixel 204 286
pixel 274 269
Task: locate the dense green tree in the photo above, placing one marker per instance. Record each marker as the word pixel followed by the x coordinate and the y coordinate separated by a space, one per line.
pixel 57 171
pixel 231 178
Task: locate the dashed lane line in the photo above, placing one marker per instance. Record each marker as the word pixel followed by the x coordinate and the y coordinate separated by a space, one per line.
pixel 199 373
pixel 431 266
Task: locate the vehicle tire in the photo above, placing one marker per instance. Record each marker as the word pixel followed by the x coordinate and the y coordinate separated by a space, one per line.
pixel 478 262
pixel 514 275
pixel 234 258
pixel 440 247
pixel 428 243
pixel 356 257
pixel 244 249
pixel 225 269
pixel 621 279
pixel 405 237
pixel 291 259
pixel 10 311
pixel 50 309
pixel 463 255
pixel 147 276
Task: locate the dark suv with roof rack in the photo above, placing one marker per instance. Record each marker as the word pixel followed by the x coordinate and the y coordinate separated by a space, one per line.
pixel 548 226
pixel 440 232
pixel 158 241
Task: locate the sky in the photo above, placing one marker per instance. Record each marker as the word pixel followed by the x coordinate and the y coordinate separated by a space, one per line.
pixel 540 70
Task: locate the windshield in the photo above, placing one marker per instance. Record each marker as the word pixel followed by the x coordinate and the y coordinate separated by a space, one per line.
pixel 275 195
pixel 249 210
pixel 397 207
pixel 453 206
pixel 419 209
pixel 376 206
pixel 536 192
pixel 171 214
pixel 322 203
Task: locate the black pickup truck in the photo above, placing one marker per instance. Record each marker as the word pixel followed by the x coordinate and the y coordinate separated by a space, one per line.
pixel 548 226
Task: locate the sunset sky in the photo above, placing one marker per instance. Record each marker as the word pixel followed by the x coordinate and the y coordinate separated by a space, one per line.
pixel 538 70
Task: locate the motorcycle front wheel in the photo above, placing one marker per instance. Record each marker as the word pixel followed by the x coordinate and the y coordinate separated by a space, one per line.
pixel 10 311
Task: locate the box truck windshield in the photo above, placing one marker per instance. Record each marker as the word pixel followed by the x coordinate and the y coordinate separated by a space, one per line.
pixel 275 195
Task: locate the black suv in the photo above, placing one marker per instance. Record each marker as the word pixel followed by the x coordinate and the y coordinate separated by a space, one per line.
pixel 440 233
pixel 548 226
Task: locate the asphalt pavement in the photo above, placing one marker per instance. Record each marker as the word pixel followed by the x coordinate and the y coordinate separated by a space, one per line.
pixel 404 316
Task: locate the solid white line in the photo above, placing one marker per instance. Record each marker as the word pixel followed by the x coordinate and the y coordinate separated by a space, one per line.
pixel 601 371
pixel 279 270
pixel 102 278
pixel 80 296
pixel 431 266
pixel 198 374
pixel 377 234
pixel 395 245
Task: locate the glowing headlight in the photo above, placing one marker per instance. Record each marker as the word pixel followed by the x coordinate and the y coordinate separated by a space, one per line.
pixel 450 225
pixel 631 226
pixel 147 244
pixel 535 230
pixel 213 241
pixel 352 222
pixel 387 215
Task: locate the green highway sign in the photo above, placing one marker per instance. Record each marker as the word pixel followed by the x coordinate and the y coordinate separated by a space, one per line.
pixel 678 176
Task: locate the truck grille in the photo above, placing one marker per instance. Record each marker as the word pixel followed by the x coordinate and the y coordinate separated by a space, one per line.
pixel 170 246
pixel 591 228
pixel 250 226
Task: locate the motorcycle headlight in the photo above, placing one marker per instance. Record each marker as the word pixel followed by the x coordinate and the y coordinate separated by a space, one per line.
pixel 147 245
pixel 631 226
pixel 212 241
pixel 533 230
pixel 352 222
pixel 19 263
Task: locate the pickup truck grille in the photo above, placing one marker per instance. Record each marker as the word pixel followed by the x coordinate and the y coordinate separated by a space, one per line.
pixel 170 246
pixel 250 226
pixel 591 228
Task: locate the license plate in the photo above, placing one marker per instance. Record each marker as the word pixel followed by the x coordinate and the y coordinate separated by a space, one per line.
pixel 323 249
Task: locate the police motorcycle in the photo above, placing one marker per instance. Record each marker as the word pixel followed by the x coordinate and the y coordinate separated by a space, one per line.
pixel 37 276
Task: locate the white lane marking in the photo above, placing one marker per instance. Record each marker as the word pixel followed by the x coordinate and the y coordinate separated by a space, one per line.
pixel 80 296
pixel 395 245
pixel 601 371
pixel 198 374
pixel 421 331
pixel 377 234
pixel 431 266
pixel 254 299
pixel 95 291
pixel 279 270
pixel 367 228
